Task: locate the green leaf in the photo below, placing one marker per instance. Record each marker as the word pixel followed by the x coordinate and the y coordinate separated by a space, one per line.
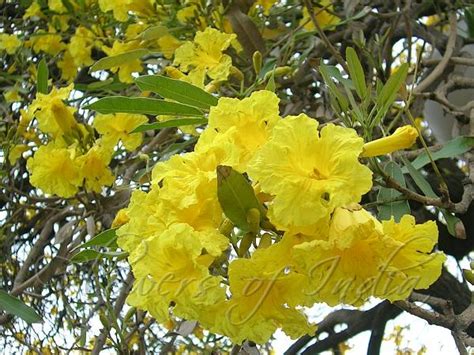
pixel 117 60
pixel 153 32
pixel 341 99
pixel 393 208
pixel 42 77
pixel 451 149
pixel 356 72
pixel 177 90
pixel 271 81
pixel 388 94
pixel 427 190
pixel 16 307
pixel 106 238
pixel 469 15
pixel 142 105
pixel 90 254
pixel 170 123
pixel 236 197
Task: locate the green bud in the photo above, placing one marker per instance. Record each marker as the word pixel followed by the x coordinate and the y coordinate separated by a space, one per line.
pixel 265 241
pixel 257 61
pixel 245 243
pixel 253 219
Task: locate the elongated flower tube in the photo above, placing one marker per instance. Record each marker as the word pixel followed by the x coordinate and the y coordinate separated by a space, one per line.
pixel 403 137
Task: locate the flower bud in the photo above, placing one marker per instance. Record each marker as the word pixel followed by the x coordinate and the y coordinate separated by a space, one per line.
pixel 403 137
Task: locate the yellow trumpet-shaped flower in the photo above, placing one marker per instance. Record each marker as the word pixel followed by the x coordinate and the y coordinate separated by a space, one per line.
pixel 204 56
pixel 115 127
pixel 403 137
pixel 9 43
pixel 52 170
pixel 94 169
pixel 309 173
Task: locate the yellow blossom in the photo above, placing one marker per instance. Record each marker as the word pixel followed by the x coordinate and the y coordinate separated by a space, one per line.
pixel 121 8
pixel 81 45
pixel 204 56
pixel 403 137
pixel 16 152
pixel 9 43
pixel 53 115
pixel 53 170
pixel 120 219
pixel 49 43
pixel 168 45
pixel 94 170
pixel 169 268
pixel 67 66
pixel 315 171
pixel 57 6
pixel 34 10
pixel 125 69
pixel 323 15
pixel 12 95
pixel 248 127
pixel 117 127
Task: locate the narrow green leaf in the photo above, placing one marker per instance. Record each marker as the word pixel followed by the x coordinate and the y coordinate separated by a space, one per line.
pixel 427 190
pixel 90 254
pixel 170 123
pixel 153 32
pixel 271 81
pixel 119 59
pixel 392 207
pixel 455 147
pixel 356 72
pixel 104 239
pixel 388 94
pixel 469 16
pixel 341 99
pixel 42 77
pixel 16 307
pixel 419 179
pixel 236 197
pixel 143 105
pixel 177 90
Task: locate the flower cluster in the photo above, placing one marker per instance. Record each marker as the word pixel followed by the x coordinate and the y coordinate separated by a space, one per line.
pixel 316 244
pixel 69 155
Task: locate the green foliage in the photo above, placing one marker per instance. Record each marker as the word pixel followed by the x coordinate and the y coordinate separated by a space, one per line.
pixel 17 308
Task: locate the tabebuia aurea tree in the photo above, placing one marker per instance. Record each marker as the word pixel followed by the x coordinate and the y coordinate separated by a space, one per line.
pixel 200 176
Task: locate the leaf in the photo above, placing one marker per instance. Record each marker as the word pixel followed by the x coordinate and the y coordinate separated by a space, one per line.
pixel 90 254
pixel 16 307
pixel 177 90
pixel 425 187
pixel 142 105
pixel 389 91
pixel 451 149
pixel 170 123
pixel 153 32
pixel 103 239
pixel 236 197
pixel 392 208
pixel 356 72
pixel 271 82
pixel 247 32
pixel 469 16
pixel 42 77
pixel 117 60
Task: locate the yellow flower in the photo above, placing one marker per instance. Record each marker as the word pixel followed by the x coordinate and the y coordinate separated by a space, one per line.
pixel 53 115
pixel 81 45
pixel 121 8
pixel 266 5
pixel 246 123
pixel 94 170
pixel 49 43
pixel 121 218
pixel 265 292
pixel 310 174
pixel 117 127
pixel 16 152
pixel 125 69
pixel 12 95
pixel 363 257
pixel 204 55
pixel 413 255
pixel 33 11
pixel 323 15
pixel 57 6
pixel 403 137
pixel 54 171
pixel 168 45
pixel 67 66
pixel 171 267
pixel 9 43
